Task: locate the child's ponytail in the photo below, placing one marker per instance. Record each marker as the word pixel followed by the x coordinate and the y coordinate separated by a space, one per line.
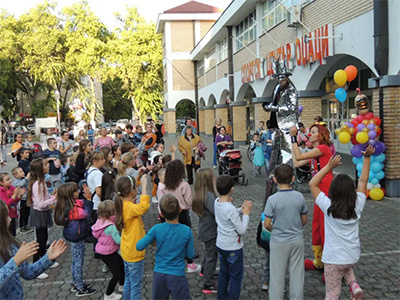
pixel 125 185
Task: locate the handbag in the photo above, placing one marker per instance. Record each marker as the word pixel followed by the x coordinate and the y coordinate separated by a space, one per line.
pixel 259 159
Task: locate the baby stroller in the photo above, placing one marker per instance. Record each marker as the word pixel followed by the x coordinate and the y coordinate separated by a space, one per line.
pixel 230 163
pixel 302 173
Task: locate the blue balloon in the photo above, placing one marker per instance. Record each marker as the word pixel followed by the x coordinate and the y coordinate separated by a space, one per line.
pixel 379 158
pixel 359 167
pixel 341 95
pixel 357 160
pixel 376 167
pixel 372 159
pixel 380 175
pixel 358 174
pixel 371 175
pixel 375 181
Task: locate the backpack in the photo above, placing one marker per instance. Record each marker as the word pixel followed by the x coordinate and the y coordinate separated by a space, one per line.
pixel 37 150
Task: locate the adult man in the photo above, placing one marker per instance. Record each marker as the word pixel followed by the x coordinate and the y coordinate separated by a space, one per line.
pixel 188 123
pixel 261 129
pixel 3 143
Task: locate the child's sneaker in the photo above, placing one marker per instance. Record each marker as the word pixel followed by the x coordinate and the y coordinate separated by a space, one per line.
pixel 113 296
pixel 154 200
pixel 104 269
pixel 265 286
pixel 85 292
pixel 74 289
pixel 25 230
pixel 209 289
pixel 55 265
pixel 356 293
pixel 193 268
pixel 120 288
pixel 42 276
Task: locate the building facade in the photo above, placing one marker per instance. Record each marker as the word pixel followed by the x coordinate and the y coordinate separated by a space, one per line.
pixel 316 37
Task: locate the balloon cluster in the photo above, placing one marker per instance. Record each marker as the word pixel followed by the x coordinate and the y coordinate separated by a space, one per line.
pixel 362 131
pixel 78 109
pixel 341 77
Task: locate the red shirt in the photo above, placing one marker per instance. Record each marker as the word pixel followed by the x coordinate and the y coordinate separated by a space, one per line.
pixel 323 161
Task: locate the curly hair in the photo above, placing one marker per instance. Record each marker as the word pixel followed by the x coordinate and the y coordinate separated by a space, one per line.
pixel 174 174
pixel 324 135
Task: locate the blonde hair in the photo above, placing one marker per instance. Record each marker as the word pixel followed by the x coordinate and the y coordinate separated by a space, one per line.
pixel 15 170
pixel 126 159
pixel 96 155
pixel 106 209
pixel 125 185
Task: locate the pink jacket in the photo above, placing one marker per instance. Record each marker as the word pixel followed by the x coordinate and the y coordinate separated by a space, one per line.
pixel 105 243
pixel 5 195
pixel 183 193
pixel 41 200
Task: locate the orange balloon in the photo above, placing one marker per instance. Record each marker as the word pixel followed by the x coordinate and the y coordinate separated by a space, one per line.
pixel 365 122
pixel 377 128
pixel 372 121
pixel 351 72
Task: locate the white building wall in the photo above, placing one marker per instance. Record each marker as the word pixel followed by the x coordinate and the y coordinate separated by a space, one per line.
pixel 394 37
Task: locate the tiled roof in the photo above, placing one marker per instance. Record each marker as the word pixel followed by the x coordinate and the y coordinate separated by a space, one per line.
pixel 193 7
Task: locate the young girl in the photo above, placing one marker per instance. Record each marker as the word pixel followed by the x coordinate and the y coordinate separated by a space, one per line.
pixel 108 156
pixel 14 256
pixel 116 151
pixel 11 196
pixel 127 164
pixel 82 160
pixel 39 200
pixel 73 214
pixel 94 180
pixel 108 241
pixel 108 186
pixel 203 205
pixel 342 211
pixel 128 220
pixel 90 133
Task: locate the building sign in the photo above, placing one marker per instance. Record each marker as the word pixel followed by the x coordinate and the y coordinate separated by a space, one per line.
pixel 308 49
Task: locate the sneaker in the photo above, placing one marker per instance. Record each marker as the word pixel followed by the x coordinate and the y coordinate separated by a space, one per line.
pixel 25 230
pixel 113 296
pixel 193 268
pixel 209 289
pixel 42 276
pixel 104 269
pixel 154 200
pixel 201 274
pixel 55 265
pixel 74 289
pixel 265 286
pixel 309 265
pixel 355 291
pixel 214 166
pixel 85 292
pixel 120 288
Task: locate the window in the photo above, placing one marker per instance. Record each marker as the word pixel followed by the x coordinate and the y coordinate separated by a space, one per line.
pixel 210 59
pixel 223 50
pixel 246 31
pixel 200 68
pixel 274 12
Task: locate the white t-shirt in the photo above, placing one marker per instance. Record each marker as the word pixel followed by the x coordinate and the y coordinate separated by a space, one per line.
pixel 342 241
pixel 94 180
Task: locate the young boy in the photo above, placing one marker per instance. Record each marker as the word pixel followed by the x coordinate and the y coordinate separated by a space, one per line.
pixel 53 156
pixel 24 162
pixel 65 165
pixel 232 223
pixel 21 180
pixel 174 243
pixel 253 146
pixel 288 209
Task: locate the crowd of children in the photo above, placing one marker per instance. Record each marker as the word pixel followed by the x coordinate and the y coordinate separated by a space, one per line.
pixel 107 201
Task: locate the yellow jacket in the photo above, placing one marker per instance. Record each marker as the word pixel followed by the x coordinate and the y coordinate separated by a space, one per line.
pixel 133 229
pixel 185 145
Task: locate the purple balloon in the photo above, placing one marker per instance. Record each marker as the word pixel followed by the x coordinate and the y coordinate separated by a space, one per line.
pixel 351 125
pixel 300 108
pixel 379 148
pixel 371 126
pixel 372 142
pixel 356 150
pixel 347 123
pixel 372 133
pixel 360 127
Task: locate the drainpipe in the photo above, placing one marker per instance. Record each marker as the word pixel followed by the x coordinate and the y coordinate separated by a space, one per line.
pixel 230 73
pixel 196 96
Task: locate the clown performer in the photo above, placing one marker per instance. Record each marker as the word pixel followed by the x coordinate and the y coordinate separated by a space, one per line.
pixel 284 115
pixel 319 156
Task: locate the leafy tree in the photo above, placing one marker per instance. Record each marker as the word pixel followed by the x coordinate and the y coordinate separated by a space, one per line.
pixel 8 90
pixel 185 109
pixel 135 56
pixel 116 104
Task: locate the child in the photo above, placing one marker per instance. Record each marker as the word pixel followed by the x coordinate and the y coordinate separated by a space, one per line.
pixel 289 211
pixel 263 237
pixel 14 256
pixel 203 205
pixel 11 196
pixel 22 182
pixel 230 227
pixel 108 241
pixel 128 220
pixel 94 178
pixel 73 214
pixel 78 139
pixel 25 163
pixel 303 148
pixel 108 156
pixel 257 154
pixel 40 200
pixel 53 156
pixel 174 243
pixel 161 184
pixel 65 165
pixel 28 144
pixel 127 164
pixel 342 211
pixel 116 151
pixel 108 186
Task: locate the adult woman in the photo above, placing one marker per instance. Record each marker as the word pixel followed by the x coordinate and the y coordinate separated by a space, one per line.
pixel 159 134
pixel 215 131
pixel 222 140
pixel 319 157
pixel 103 140
pixel 82 160
pixel 66 145
pixel 187 145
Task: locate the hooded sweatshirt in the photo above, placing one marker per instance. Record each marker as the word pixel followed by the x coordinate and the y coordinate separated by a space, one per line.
pixel 5 195
pixel 107 235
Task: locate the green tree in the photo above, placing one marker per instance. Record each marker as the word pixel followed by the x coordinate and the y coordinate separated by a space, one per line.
pixel 185 109
pixel 116 104
pixel 8 89
pixel 135 56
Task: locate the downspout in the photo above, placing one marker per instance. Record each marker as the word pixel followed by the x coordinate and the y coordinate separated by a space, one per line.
pixel 196 96
pixel 230 72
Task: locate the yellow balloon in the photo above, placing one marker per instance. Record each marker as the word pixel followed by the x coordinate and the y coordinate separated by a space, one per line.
pixel 365 129
pixel 344 137
pixel 345 128
pixel 362 137
pixel 352 130
pixel 342 123
pixel 338 131
pixel 376 194
pixel 340 77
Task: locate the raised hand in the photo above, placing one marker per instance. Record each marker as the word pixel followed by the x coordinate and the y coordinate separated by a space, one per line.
pixel 293 131
pixel 335 161
pixel 172 148
pixel 56 249
pixel 25 251
pixel 369 151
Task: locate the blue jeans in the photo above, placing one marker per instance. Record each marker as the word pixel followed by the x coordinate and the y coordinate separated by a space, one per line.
pixel 215 155
pixel 166 284
pixel 78 255
pixel 230 274
pixel 133 280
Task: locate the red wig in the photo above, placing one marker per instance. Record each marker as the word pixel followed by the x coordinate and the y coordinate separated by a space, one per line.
pixel 323 134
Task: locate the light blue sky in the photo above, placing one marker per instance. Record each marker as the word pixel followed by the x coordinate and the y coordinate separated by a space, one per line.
pixel 105 9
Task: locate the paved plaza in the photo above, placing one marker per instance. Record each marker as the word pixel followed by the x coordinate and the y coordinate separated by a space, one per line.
pixel 378 271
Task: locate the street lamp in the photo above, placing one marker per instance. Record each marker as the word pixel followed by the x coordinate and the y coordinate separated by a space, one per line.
pixel 57 94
